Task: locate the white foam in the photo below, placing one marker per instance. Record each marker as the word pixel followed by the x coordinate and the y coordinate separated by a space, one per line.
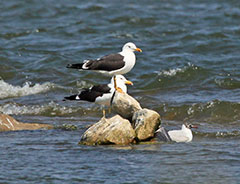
pixel 172 72
pixel 49 109
pixel 8 90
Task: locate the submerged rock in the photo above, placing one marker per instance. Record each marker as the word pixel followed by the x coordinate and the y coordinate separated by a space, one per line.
pixel 145 123
pixel 125 105
pixel 67 127
pixel 8 123
pixel 115 130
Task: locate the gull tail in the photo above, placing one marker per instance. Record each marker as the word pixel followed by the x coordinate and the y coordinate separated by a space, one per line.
pixel 73 97
pixel 75 66
pixel 162 135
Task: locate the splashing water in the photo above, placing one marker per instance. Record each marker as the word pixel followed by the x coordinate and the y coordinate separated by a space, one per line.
pixel 9 91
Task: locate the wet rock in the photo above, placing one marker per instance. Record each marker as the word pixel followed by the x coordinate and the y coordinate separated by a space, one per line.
pixel 67 127
pixel 115 130
pixel 93 135
pixel 125 105
pixel 145 123
pixel 8 123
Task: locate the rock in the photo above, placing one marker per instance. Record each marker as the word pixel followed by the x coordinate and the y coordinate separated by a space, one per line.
pixel 145 123
pixel 115 130
pixel 8 123
pixel 93 135
pixel 120 131
pixel 67 127
pixel 125 105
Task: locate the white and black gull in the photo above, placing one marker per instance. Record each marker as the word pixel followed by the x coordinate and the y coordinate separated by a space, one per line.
pixel 101 94
pixel 113 64
pixel 183 135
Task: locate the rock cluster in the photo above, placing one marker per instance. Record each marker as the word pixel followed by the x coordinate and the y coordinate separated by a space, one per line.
pixel 132 124
pixel 8 123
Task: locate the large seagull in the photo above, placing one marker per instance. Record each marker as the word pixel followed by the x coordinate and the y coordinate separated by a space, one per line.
pixel 101 94
pixel 113 64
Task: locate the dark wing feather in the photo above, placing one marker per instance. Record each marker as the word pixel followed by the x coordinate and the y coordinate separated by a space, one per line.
pixel 162 135
pixel 103 88
pixel 75 66
pixel 72 97
pixel 91 94
pixel 107 63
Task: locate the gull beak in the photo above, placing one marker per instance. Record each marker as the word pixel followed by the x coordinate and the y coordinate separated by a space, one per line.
pixel 128 82
pixel 194 126
pixel 138 49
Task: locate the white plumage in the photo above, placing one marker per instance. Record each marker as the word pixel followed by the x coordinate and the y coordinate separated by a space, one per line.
pixel 183 135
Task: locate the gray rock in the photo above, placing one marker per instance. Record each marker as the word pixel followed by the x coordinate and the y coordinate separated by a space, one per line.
pixel 115 130
pixel 125 105
pixel 145 123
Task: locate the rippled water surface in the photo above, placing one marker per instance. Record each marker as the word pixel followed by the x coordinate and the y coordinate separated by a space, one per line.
pixel 189 71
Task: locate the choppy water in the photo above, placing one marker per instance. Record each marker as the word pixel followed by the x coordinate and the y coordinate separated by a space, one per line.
pixel 188 71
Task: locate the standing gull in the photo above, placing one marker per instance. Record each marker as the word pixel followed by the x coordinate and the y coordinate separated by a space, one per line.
pixel 101 94
pixel 113 64
pixel 183 135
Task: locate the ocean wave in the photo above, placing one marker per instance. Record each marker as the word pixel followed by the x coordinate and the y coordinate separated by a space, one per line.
pixel 172 77
pixel 176 77
pixel 10 91
pixel 214 111
pixel 219 134
pixel 227 83
pixel 172 72
pixel 49 109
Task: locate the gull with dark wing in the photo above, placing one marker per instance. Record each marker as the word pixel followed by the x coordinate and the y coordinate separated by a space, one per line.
pixel 101 94
pixel 113 64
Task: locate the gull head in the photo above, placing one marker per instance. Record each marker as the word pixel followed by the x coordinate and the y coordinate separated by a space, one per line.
pixel 190 126
pixel 131 47
pixel 121 82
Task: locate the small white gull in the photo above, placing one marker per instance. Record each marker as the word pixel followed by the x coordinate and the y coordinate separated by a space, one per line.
pixel 183 135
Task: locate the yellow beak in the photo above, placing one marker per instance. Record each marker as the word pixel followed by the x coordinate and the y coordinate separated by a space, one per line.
pixel 128 82
pixel 138 49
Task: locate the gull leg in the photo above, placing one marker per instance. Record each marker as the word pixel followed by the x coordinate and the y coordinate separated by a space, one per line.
pixel 104 113
pixel 115 82
pixel 115 85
